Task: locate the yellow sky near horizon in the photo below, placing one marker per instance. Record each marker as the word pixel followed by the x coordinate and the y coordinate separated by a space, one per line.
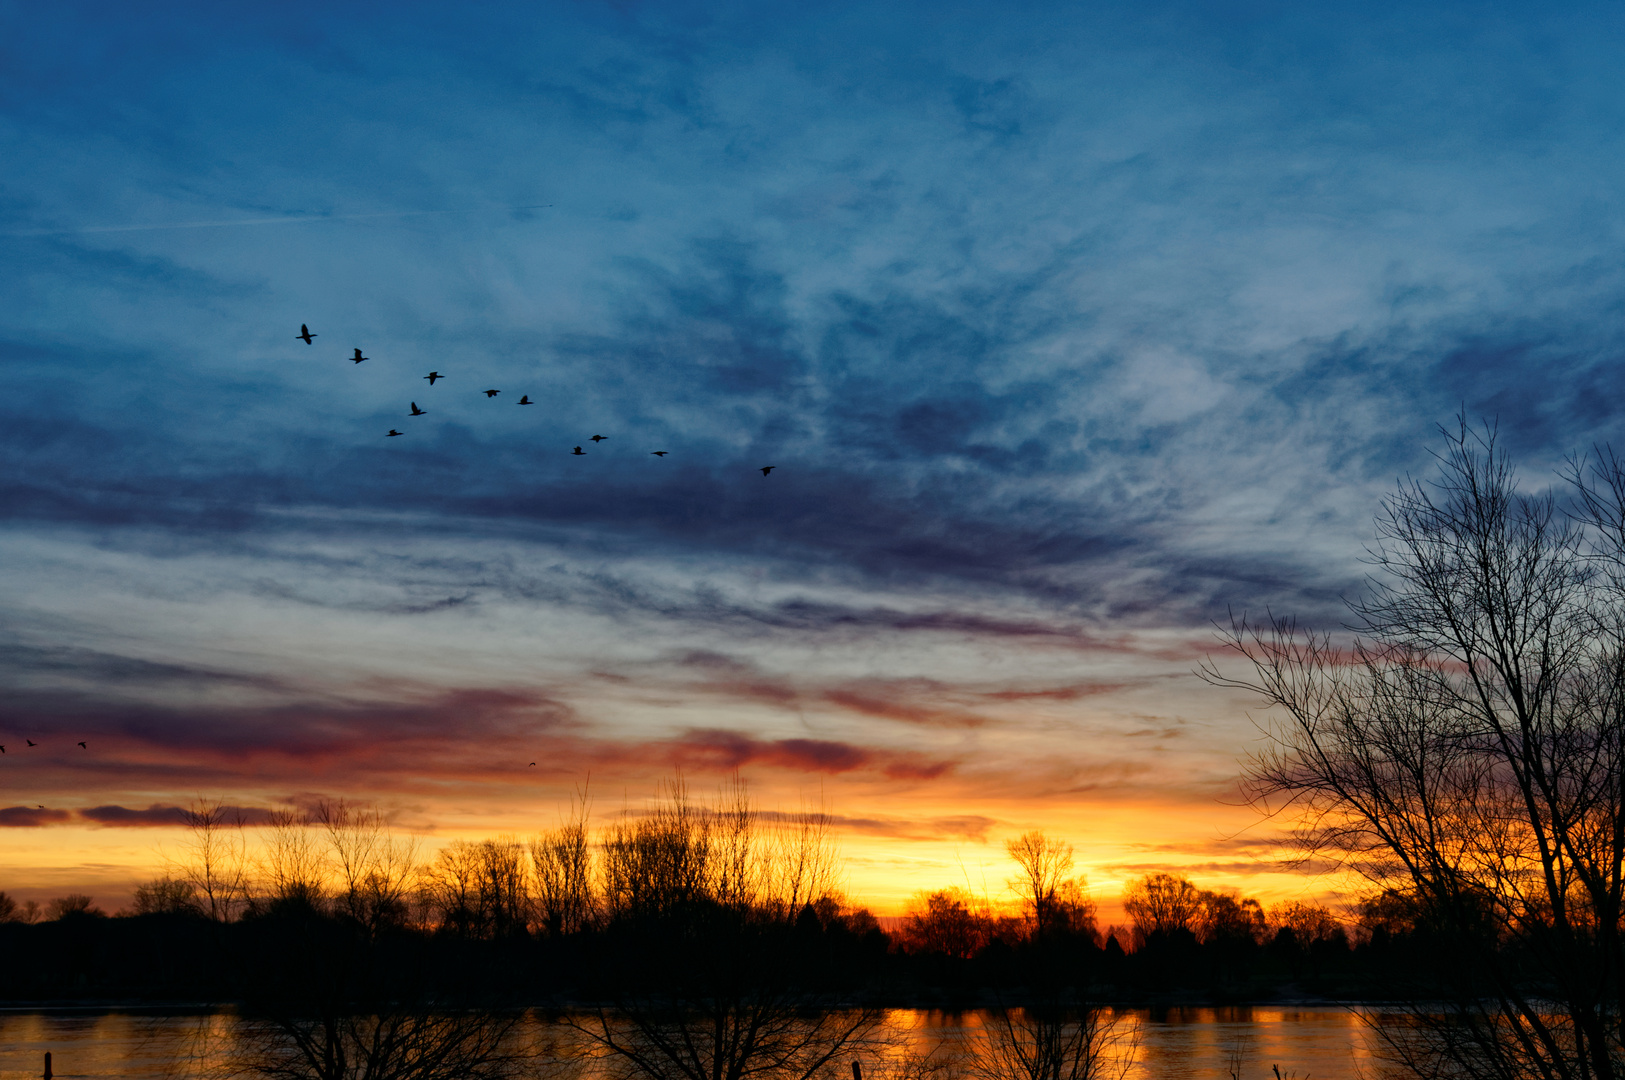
pixel 880 869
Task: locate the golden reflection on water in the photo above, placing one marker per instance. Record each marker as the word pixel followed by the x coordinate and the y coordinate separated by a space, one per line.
pixel 1174 1044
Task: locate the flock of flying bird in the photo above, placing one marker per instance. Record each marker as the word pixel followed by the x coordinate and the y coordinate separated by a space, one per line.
pixel 81 746
pixel 31 742
pixel 306 336
pixel 433 377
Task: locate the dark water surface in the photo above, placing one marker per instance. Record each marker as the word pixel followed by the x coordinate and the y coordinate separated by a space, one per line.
pixel 1177 1044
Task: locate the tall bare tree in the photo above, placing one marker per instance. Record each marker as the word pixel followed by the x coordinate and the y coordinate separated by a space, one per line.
pixel 331 994
pixel 709 977
pixel 1466 751
pixel 291 860
pixel 374 867
pixel 562 865
pixel 660 861
pixel 215 860
pixel 801 861
pixel 1044 864
pixel 481 889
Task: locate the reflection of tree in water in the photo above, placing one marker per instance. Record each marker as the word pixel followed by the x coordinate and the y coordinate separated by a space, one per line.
pixel 412 1038
pixel 405 1042
pixel 1058 1041
pixel 1238 1067
pixel 1064 1039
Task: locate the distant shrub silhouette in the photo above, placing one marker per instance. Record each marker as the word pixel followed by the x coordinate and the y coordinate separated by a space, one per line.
pixel 1162 904
pixel 949 921
pixel 1227 917
pixel 74 904
pixel 166 896
pixel 480 890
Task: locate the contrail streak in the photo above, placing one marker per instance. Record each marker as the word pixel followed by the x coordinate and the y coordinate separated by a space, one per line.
pixel 258 221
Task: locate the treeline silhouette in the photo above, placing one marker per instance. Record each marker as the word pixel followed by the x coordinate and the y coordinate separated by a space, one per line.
pixel 670 902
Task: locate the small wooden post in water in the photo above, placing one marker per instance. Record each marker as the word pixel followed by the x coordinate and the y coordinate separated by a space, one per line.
pixel 857 1070
pixel 48 1073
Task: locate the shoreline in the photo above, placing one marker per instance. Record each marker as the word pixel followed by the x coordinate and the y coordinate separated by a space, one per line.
pixel 189 1008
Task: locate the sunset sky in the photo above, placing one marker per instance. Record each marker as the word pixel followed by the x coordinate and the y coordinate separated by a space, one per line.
pixel 1067 328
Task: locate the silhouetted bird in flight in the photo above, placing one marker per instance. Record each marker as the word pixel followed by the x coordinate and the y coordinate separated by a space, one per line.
pixel 533 763
pixel 82 746
pixel 492 393
pixel 658 453
pixel 2 749
pixel 415 410
pixel 578 450
pixel 432 376
pixel 392 433
pixel 304 332
pixel 358 357
pixel 767 469
pixel 30 742
pixel 599 438
pixel 39 806
pixel 524 399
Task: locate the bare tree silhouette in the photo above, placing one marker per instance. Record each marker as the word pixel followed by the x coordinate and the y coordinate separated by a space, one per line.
pixel 1162 904
pixel 1466 754
pixel 376 868
pixel 951 921
pixel 215 859
pixel 712 977
pixel 166 896
pixel 292 865
pixel 66 907
pixel 562 865
pixel 333 995
pixel 1055 903
pixel 481 889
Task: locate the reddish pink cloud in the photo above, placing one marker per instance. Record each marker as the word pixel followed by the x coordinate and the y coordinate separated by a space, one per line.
pixel 721 750
pixel 27 817
pixel 158 815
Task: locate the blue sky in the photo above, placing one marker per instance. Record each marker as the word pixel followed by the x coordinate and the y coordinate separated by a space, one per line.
pixel 1067 329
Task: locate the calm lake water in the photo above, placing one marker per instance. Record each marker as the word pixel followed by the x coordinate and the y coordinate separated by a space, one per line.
pixel 1179 1044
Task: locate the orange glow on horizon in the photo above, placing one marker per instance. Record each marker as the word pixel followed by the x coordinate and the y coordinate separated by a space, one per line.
pixel 882 864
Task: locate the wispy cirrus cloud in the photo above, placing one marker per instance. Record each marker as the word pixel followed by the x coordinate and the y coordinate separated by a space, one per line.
pixel 959 827
pixel 1067 332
